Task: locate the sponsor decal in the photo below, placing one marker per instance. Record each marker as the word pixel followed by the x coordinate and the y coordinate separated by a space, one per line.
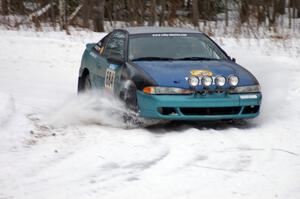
pixel 93 54
pixel 113 66
pixel 109 79
pixel 201 73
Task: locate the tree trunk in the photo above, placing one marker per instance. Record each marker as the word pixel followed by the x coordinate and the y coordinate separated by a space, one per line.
pixel 17 6
pixel 174 6
pixel 244 12
pixel 62 14
pixel 141 13
pixel 4 5
pixel 226 13
pixel 298 8
pixel 294 8
pixel 98 13
pixel 52 14
pixel 290 14
pixel 86 13
pixel 162 13
pixel 195 12
pixel 153 13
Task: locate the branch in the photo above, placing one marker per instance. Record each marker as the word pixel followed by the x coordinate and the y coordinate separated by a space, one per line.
pixel 37 13
pixel 73 15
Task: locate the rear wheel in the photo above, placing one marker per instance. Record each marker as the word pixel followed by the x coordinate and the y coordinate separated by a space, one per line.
pixel 84 83
pixel 87 83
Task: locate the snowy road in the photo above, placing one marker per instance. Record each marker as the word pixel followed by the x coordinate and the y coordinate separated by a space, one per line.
pixel 74 159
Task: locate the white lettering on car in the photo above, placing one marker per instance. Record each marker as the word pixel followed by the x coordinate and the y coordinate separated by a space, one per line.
pixel 169 35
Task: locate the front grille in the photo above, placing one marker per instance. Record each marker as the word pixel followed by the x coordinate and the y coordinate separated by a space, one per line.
pixel 211 111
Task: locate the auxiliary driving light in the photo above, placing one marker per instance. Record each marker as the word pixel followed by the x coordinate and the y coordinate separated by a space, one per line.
pixel 220 81
pixel 193 81
pixel 233 80
pixel 206 81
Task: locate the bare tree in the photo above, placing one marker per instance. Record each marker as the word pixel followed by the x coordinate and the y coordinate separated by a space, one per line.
pixel 195 12
pixel 244 11
pixel 290 13
pixel 153 13
pixel 4 6
pixel 92 13
pixel 86 12
pixel 18 6
pixel 226 13
pixel 297 5
pixel 52 15
pixel 162 12
pixel 174 7
pixel 98 15
pixel 62 14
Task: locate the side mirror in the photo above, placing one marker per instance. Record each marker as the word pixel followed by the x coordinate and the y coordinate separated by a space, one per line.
pixel 233 59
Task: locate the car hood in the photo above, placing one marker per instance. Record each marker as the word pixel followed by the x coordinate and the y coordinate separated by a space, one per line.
pixel 175 73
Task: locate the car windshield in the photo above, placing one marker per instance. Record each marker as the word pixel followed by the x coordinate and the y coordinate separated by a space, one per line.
pixel 173 47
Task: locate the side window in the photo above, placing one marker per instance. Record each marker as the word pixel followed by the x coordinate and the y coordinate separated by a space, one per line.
pixel 103 41
pixel 116 45
pixel 101 44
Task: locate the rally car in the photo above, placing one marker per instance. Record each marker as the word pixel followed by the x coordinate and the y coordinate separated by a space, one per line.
pixel 170 74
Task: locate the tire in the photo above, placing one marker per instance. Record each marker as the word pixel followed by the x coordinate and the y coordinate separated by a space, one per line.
pixel 130 99
pixel 87 83
pixel 84 83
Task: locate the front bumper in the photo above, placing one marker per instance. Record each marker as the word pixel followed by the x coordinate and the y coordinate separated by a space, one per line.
pixel 199 107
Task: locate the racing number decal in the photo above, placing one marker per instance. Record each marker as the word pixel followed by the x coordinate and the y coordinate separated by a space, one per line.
pixel 109 79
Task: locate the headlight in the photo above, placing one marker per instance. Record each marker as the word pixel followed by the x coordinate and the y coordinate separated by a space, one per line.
pixel 166 91
pixel 206 81
pixel 220 80
pixel 246 89
pixel 193 81
pixel 233 80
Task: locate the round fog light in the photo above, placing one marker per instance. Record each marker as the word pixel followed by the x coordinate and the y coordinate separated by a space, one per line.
pixel 233 80
pixel 206 81
pixel 220 80
pixel 193 81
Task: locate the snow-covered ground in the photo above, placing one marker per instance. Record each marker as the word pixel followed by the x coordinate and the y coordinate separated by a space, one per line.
pixel 52 145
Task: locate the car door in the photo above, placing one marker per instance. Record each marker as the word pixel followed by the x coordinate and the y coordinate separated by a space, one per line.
pixel 114 52
pixel 98 63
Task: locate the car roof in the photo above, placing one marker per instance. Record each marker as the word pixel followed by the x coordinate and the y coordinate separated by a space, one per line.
pixel 154 29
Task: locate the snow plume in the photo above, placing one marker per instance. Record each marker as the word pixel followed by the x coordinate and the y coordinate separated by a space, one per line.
pixel 89 108
pixel 98 108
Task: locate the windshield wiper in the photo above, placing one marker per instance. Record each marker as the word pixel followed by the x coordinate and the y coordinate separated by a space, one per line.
pixel 196 58
pixel 152 59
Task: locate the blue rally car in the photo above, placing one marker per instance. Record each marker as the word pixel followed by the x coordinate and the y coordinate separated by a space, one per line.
pixel 170 73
